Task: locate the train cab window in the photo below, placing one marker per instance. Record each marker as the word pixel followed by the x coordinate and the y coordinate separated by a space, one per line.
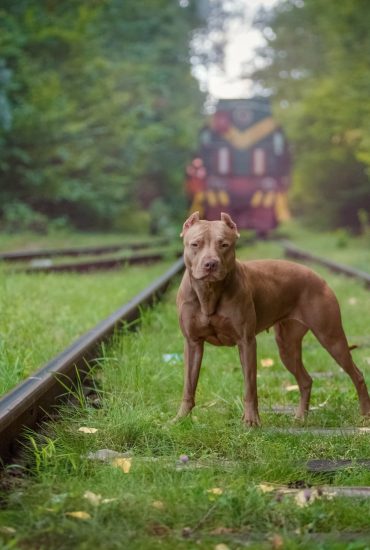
pixel 259 162
pixel 278 143
pixel 223 160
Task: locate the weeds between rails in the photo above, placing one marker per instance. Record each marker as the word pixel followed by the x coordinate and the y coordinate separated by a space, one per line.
pixel 216 496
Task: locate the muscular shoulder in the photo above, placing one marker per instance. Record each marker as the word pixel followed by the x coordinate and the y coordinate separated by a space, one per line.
pixel 185 292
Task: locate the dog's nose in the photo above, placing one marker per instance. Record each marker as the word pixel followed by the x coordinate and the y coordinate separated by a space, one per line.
pixel 211 264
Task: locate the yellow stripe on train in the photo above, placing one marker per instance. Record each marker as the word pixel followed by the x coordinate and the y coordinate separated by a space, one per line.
pixel 271 199
pixel 242 139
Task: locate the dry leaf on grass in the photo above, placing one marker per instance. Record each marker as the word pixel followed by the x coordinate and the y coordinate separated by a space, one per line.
pixel 267 362
pixel 93 498
pixel 266 487
pixel 158 529
pixel 86 430
pixel 277 541
pixel 222 531
pixel 352 301
pixel 158 505
pixel 215 491
pixel 221 546
pixel 292 387
pixel 123 464
pixel 78 515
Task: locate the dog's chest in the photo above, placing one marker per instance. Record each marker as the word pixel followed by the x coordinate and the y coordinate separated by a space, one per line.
pixel 215 329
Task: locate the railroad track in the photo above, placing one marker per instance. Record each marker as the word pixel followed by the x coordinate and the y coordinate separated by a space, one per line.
pixel 97 265
pixel 26 255
pixel 28 403
pixel 60 497
pixel 291 251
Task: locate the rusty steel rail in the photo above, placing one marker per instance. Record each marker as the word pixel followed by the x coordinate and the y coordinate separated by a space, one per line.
pixel 291 251
pixel 95 265
pixel 27 404
pixel 25 255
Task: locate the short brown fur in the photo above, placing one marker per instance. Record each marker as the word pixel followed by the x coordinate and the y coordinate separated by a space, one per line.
pixel 226 302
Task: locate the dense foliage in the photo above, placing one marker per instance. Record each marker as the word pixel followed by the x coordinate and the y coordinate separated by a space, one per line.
pixel 98 109
pixel 317 68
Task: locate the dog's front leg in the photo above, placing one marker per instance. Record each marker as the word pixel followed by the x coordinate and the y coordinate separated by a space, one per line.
pixel 248 359
pixel 193 354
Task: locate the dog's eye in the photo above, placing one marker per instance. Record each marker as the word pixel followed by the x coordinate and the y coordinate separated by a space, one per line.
pixel 194 245
pixel 224 245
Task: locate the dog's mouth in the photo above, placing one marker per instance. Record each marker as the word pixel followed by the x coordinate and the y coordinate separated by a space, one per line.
pixel 212 276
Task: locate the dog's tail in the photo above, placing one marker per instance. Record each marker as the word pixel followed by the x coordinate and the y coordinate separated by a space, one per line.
pixel 353 347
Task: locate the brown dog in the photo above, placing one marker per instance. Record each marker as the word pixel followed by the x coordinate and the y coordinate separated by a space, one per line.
pixel 226 302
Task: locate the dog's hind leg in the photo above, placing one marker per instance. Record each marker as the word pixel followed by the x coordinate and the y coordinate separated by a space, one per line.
pixel 332 337
pixel 289 335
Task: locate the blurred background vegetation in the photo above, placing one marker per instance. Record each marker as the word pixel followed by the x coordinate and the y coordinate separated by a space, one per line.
pixel 99 111
pixel 317 70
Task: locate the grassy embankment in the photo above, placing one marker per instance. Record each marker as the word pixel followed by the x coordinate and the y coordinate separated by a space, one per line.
pixel 43 313
pixel 71 501
pixel 339 246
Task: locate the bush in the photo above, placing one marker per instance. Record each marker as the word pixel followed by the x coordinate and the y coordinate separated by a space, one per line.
pixel 18 216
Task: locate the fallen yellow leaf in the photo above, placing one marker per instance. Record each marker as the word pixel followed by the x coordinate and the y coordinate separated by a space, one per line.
pixel 221 546
pixel 266 487
pixel 78 515
pixel 292 387
pixel 215 491
pixel 158 504
pixel 93 498
pixel 222 531
pixel 86 430
pixel 123 463
pixel 267 362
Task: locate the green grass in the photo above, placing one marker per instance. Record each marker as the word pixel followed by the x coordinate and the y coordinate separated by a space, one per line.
pixel 42 313
pixel 139 394
pixel 339 245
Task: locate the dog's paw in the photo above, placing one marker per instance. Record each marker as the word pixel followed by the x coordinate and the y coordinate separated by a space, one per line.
pixel 178 418
pixel 184 411
pixel 252 420
pixel 300 416
pixel 365 412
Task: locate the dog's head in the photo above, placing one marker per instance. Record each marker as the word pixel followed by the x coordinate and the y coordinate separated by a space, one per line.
pixel 209 247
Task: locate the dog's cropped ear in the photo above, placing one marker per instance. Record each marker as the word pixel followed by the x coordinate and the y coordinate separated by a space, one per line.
pixel 194 218
pixel 230 223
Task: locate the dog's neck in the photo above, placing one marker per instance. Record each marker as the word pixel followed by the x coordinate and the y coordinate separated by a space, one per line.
pixel 210 292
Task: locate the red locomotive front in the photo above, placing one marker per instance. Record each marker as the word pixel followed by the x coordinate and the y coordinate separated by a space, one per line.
pixel 242 166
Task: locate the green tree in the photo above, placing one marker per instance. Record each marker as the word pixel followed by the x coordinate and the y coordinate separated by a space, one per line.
pixel 317 71
pixel 103 106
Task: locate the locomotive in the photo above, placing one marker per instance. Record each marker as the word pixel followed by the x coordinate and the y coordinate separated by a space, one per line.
pixel 241 167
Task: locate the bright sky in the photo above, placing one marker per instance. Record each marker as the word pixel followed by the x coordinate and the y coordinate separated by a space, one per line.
pixel 240 52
